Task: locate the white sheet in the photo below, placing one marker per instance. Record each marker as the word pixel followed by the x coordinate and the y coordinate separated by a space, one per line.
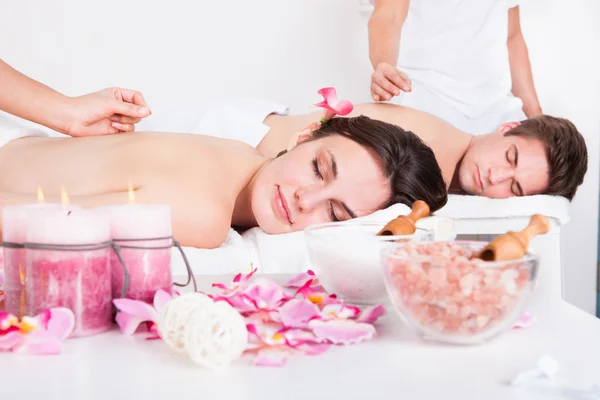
pixel 481 207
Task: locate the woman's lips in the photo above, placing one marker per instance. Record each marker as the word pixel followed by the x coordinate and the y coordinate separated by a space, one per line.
pixel 282 207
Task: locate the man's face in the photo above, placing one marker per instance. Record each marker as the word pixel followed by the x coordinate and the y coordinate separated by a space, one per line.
pixel 499 166
pixel 323 180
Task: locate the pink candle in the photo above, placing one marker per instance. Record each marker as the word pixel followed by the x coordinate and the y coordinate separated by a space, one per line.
pixel 149 264
pixel 14 233
pixel 68 265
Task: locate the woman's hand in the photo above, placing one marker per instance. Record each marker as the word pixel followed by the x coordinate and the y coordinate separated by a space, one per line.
pixel 109 111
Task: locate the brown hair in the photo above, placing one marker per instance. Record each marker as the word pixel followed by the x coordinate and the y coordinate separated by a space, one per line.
pixel 407 162
pixel 565 150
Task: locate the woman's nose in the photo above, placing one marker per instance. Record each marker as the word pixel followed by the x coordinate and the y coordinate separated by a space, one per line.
pixel 309 197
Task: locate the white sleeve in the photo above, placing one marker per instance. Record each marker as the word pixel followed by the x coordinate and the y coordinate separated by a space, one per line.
pixel 512 3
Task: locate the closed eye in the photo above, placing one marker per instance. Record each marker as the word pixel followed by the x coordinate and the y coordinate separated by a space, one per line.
pixel 316 169
pixel 332 215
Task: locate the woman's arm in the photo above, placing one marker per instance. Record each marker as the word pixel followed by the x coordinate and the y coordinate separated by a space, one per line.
pixel 112 110
pixel 520 67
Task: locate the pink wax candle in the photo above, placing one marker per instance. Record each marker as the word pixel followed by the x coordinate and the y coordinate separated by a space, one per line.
pixel 68 265
pixel 149 264
pixel 14 233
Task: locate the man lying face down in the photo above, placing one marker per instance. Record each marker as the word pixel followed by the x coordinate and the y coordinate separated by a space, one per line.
pixel 542 155
pixel 350 167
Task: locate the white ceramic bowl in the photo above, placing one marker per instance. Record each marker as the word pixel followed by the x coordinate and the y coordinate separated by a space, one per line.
pixel 347 258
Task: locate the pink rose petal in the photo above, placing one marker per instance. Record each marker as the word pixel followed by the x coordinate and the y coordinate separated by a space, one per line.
pixel 313 349
pixel 339 311
pixel 11 340
pixel 7 320
pixel 57 322
pixel 524 321
pixel 299 337
pixel 341 331
pixel 300 279
pixel 40 343
pixel 161 297
pixel 371 314
pixel 136 308
pixel 297 312
pixel 270 358
pixel 265 293
pixel 128 323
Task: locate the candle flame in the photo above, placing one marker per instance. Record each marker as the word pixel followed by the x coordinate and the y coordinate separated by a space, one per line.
pixel 64 197
pixel 40 194
pixel 131 194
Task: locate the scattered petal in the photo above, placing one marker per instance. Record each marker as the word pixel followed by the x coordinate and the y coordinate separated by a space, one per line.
pixel 57 322
pixel 371 314
pixel 40 343
pixel 266 294
pixel 128 323
pixel 136 308
pixel 524 321
pixel 11 340
pixel 339 311
pixel 270 358
pixel 132 313
pixel 300 279
pixel 313 349
pixel 342 331
pixel 297 313
pixel 161 297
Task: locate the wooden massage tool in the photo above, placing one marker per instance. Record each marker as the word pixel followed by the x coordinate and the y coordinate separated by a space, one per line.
pixel 405 224
pixel 513 245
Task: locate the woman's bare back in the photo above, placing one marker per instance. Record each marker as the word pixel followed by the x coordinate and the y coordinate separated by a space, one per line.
pixel 199 176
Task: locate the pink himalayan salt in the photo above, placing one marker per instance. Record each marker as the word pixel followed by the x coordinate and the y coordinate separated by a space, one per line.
pixel 450 293
pixel 79 281
pixel 149 270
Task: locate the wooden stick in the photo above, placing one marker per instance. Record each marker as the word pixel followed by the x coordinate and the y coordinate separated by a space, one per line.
pixel 514 245
pixel 405 224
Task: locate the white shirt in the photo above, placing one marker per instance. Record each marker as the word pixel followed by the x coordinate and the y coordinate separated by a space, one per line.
pixel 457 49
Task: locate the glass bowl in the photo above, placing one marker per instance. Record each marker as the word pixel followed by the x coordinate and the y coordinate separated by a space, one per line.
pixel 446 297
pixel 346 258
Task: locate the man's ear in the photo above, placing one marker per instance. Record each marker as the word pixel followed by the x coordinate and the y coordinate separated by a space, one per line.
pixel 302 136
pixel 507 127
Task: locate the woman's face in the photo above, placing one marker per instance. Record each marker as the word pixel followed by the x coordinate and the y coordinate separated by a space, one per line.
pixel 328 179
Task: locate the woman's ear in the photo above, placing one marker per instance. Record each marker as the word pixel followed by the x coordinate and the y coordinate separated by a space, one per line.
pixel 302 136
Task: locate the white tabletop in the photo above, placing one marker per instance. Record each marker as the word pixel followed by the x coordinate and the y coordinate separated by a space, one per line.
pixel 395 365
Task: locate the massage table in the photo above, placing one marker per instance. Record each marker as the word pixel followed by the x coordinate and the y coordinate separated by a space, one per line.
pixel 463 217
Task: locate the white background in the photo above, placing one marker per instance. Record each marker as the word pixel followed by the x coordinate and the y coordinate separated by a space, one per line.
pixel 285 50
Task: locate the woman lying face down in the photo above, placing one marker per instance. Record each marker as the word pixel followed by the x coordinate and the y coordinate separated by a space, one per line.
pixel 348 168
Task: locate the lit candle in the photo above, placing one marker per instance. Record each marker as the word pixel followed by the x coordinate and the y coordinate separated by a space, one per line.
pixel 14 234
pixel 144 235
pixel 68 265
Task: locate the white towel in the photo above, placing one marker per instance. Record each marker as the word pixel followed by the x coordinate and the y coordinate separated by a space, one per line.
pixel 232 256
pixel 477 207
pixel 287 253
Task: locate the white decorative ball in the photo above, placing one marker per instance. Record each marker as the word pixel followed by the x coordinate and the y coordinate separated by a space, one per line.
pixel 215 335
pixel 174 317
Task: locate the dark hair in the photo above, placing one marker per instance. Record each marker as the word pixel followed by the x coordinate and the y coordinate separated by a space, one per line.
pixel 566 151
pixel 407 162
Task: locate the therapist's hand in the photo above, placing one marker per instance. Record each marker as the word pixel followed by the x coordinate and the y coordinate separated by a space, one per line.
pixel 387 81
pixel 109 111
